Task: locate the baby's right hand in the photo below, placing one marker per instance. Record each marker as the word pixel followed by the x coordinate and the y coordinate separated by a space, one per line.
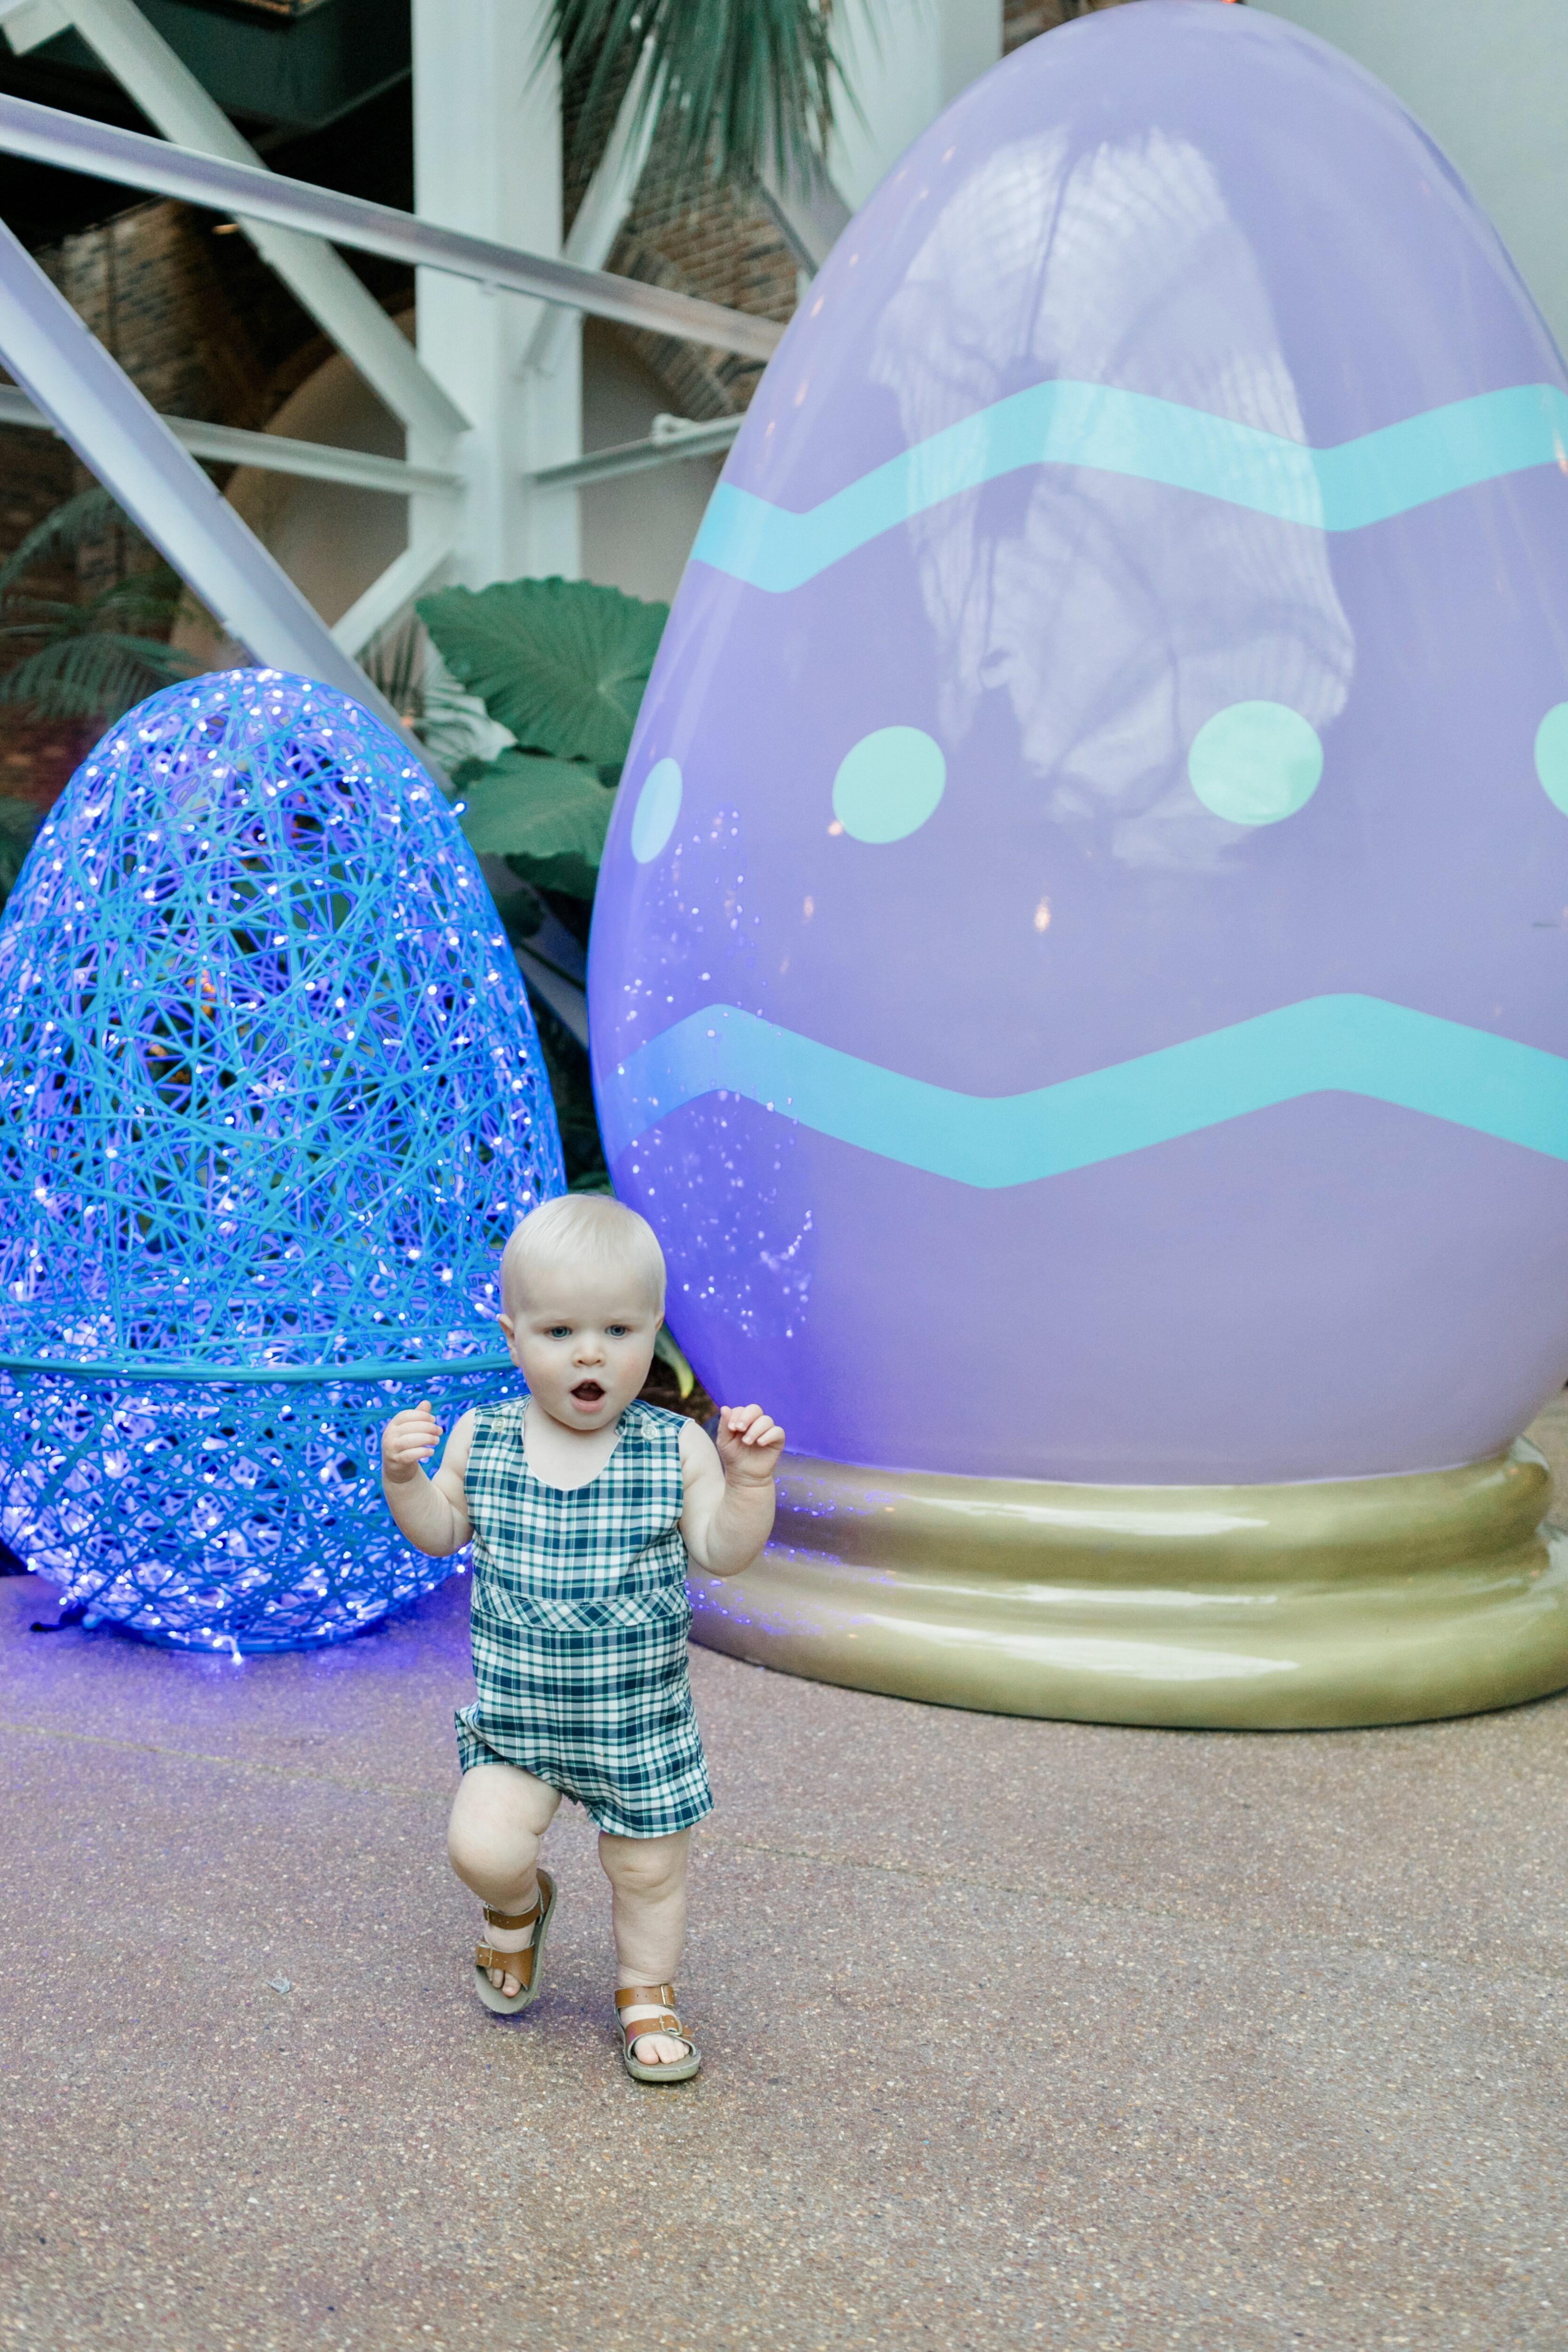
pixel 408 1439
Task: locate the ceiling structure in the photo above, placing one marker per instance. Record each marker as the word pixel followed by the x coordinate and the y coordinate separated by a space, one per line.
pixel 291 75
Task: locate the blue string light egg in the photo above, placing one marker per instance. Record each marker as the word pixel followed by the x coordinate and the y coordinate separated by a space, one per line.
pixel 272 1099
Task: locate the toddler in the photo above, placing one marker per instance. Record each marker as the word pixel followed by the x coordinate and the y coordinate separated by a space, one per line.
pixel 584 1506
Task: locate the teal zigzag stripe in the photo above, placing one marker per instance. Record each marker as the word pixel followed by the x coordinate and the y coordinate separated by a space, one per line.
pixel 1344 488
pixel 1346 1045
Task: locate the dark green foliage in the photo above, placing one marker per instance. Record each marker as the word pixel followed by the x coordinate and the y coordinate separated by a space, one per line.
pixel 666 1347
pixel 741 86
pixel 20 821
pixel 573 1087
pixel 561 663
pixel 547 817
pixel 434 710
pixel 91 657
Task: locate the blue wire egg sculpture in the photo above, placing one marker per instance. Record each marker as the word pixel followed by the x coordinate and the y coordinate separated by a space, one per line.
pixel 272 1099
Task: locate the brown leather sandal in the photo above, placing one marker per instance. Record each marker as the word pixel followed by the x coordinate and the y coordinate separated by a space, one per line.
pixel 525 1963
pixel 650 2009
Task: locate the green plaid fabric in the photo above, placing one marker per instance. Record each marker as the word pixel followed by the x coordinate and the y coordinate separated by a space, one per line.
pixel 579 1620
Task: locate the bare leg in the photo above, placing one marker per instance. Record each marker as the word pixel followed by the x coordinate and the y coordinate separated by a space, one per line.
pixel 647 1894
pixel 499 1817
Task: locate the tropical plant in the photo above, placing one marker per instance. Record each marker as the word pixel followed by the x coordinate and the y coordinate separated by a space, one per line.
pixel 451 725
pixel 91 656
pixel 562 664
pixel 20 821
pixel 738 88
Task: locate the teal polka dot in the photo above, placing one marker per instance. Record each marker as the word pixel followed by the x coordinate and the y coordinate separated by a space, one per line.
pixel 659 805
pixel 1552 756
pixel 1255 762
pixel 888 784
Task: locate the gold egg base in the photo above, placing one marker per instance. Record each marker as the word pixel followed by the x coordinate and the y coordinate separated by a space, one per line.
pixel 1364 1601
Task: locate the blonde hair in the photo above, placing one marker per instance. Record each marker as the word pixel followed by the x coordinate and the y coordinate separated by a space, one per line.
pixel 575 1226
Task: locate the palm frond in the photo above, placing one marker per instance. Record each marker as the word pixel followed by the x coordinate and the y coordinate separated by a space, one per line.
pixel 155 594
pixel 95 656
pixel 394 661
pixel 738 86
pixel 62 532
pixel 20 821
pixel 407 665
pixel 31 616
pixel 91 673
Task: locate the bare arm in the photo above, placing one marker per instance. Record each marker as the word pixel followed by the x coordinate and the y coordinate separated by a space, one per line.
pixel 433 1511
pixel 729 1511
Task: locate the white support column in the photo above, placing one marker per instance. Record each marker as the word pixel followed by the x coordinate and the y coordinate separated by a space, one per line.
pixel 905 61
pixel 486 151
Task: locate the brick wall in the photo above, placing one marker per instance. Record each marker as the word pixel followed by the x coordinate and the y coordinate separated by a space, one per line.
pixel 1022 19
pixel 715 241
pixel 720 243
pixel 204 328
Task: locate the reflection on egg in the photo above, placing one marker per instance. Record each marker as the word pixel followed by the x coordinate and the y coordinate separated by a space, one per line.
pixel 1079 982
pixel 270 1102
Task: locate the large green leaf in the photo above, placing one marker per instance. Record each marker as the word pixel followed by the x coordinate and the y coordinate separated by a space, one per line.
pixel 547 817
pixel 561 663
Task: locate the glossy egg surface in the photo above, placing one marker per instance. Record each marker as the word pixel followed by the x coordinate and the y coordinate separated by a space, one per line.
pixel 1081 974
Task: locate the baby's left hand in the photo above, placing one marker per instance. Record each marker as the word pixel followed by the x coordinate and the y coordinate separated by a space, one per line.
pixel 749 1443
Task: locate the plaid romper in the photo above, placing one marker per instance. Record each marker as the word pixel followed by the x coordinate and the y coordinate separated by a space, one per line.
pixel 580 1620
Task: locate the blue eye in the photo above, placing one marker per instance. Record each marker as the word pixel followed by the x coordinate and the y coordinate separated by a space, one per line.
pixel 889 783
pixel 1255 762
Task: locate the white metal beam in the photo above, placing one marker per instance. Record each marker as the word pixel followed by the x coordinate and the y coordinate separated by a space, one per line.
pixel 406 576
pixel 808 208
pixel 27 23
pixel 487 164
pixel 169 94
pixel 271 452
pixel 606 201
pixel 126 444
pixel 46 135
pixel 694 440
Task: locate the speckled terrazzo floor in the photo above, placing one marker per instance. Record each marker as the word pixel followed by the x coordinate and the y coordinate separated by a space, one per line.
pixel 1017 2032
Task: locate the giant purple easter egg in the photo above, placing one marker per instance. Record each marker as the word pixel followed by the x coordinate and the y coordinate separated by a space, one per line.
pixel 1080 976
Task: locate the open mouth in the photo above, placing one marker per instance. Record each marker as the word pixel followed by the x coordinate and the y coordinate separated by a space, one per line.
pixel 588 1393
